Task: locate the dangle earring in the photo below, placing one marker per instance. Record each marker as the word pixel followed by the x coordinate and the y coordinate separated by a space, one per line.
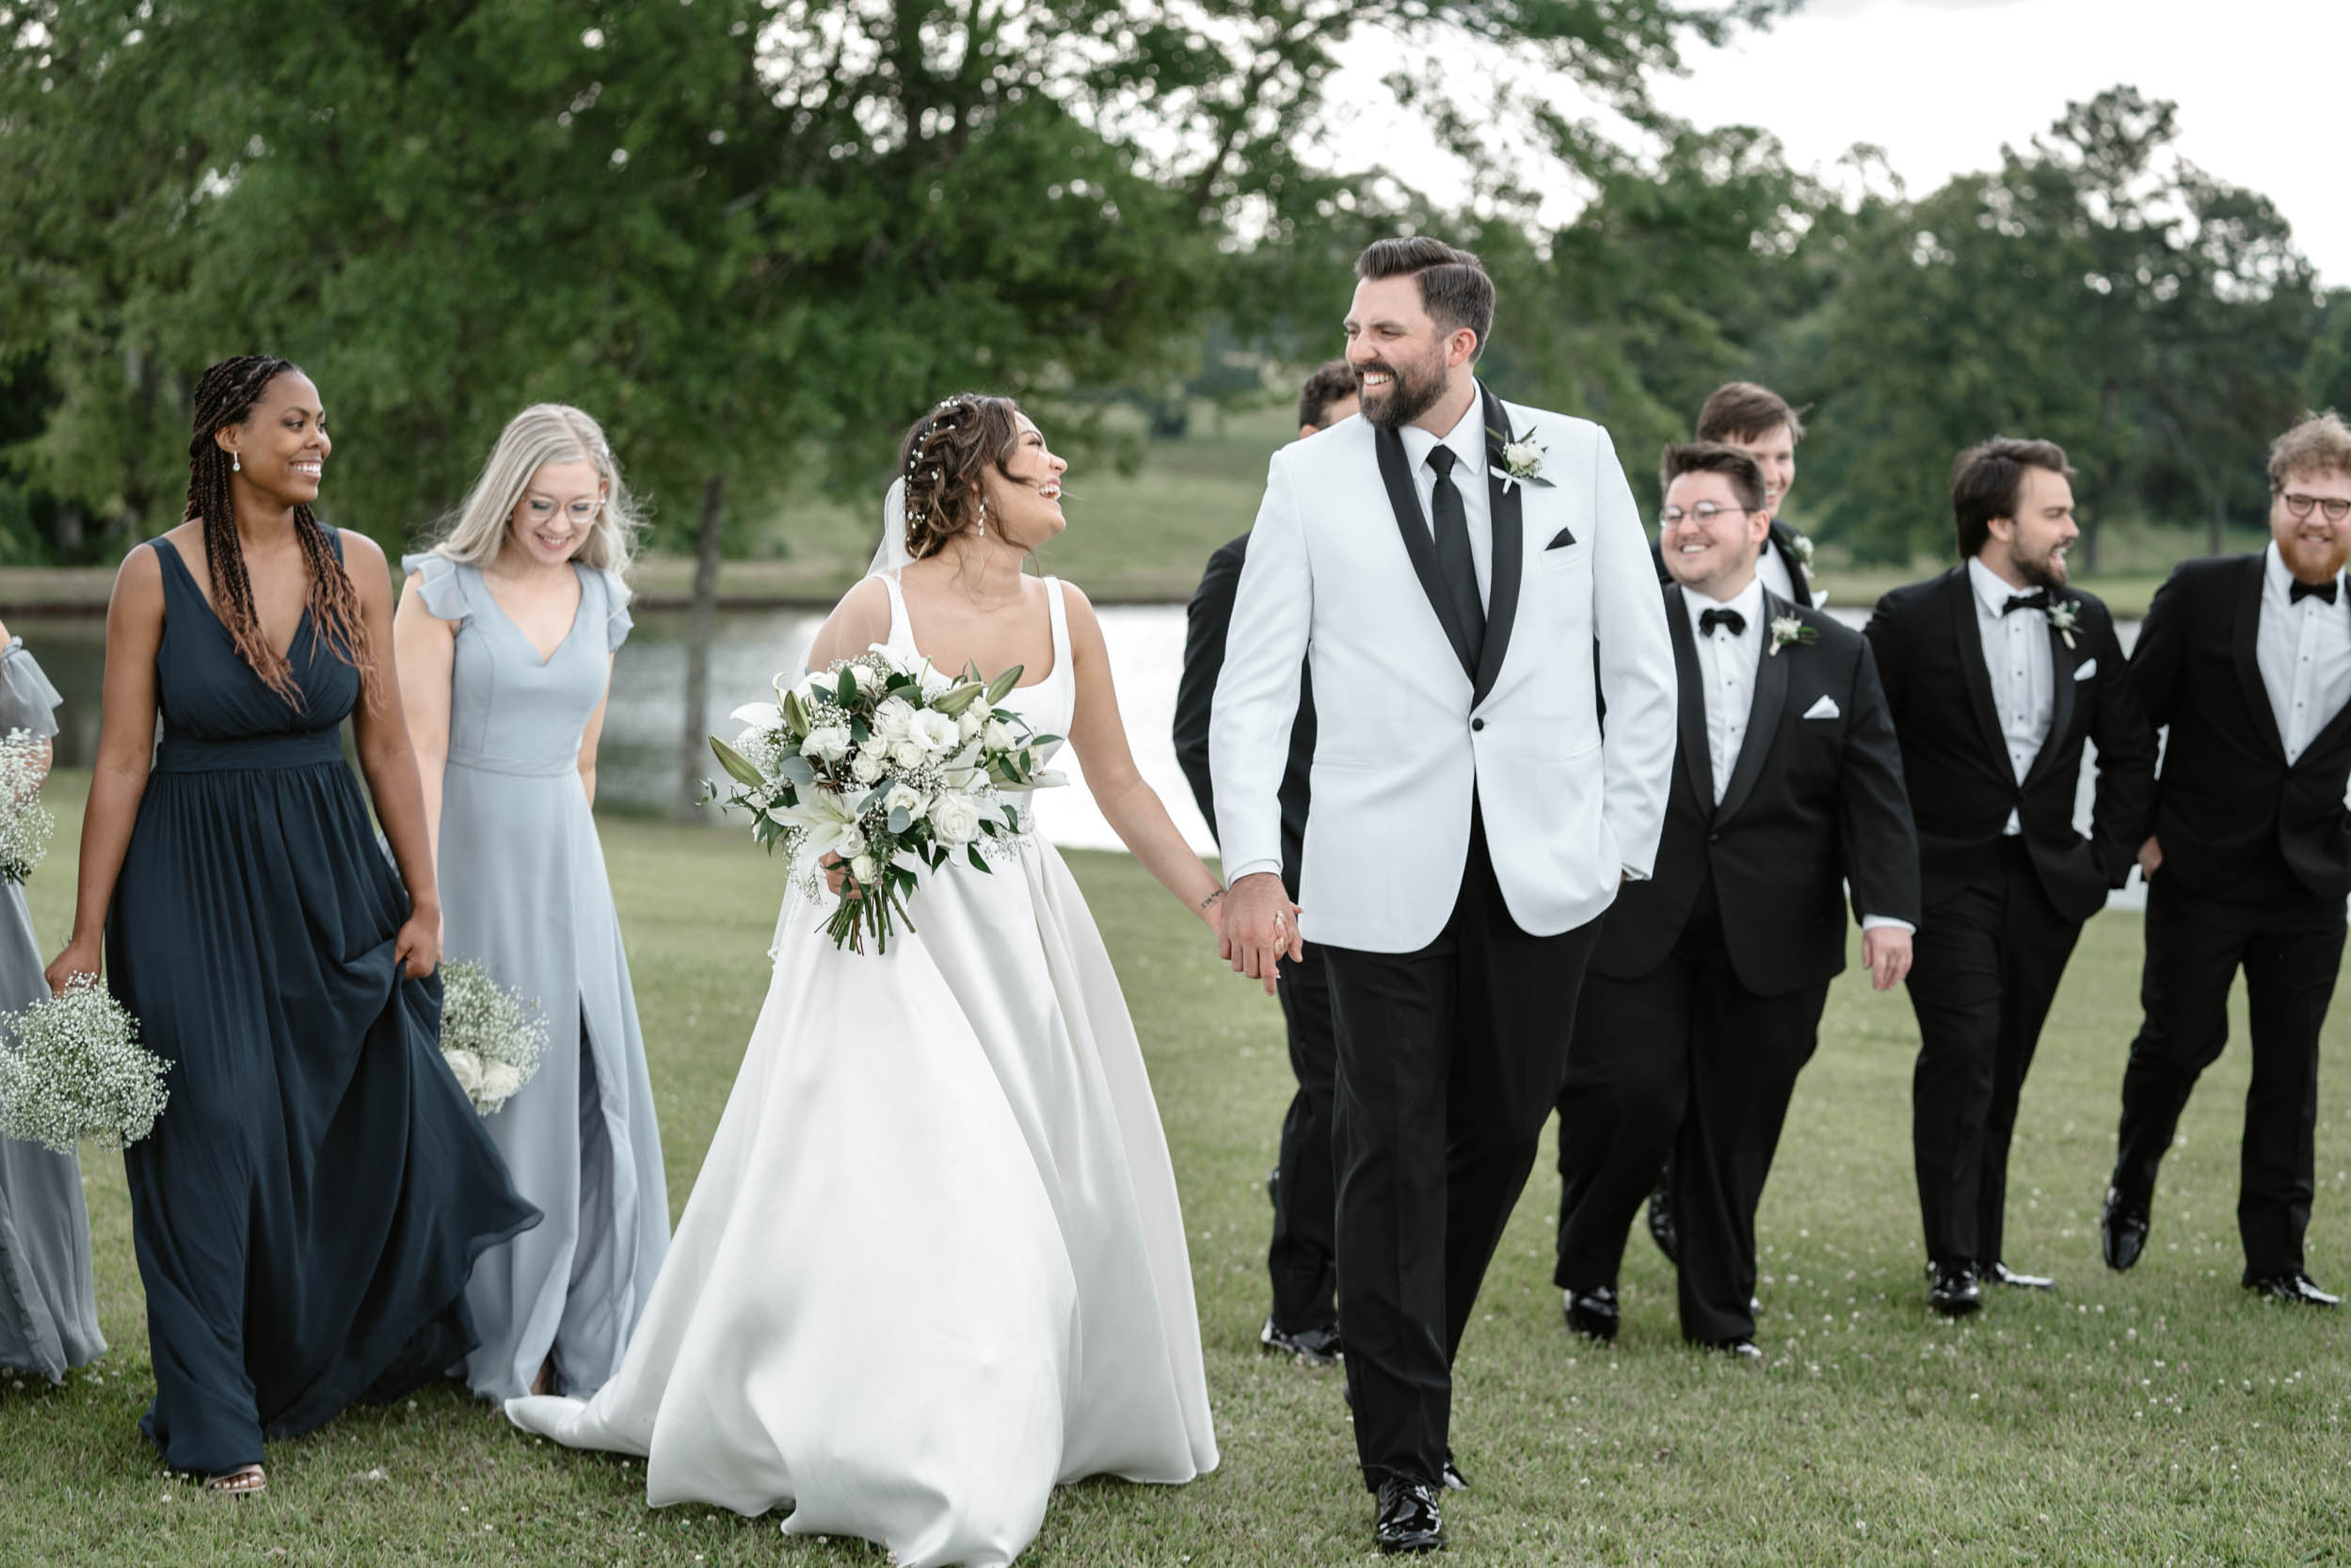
pixel 236 464
pixel 984 517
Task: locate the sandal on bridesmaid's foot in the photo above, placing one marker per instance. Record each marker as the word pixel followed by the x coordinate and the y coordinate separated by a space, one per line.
pixel 245 1480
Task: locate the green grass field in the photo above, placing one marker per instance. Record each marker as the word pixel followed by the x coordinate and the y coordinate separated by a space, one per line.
pixel 2158 1417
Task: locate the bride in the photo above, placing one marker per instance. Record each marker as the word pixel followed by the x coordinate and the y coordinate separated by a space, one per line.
pixel 934 1265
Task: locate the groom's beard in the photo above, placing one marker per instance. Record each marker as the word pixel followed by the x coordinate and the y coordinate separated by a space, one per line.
pixel 1407 397
pixel 2041 571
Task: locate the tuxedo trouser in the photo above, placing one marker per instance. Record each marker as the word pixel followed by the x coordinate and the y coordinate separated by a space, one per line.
pixel 1984 968
pixel 1687 1060
pixel 1448 1060
pixel 1303 1257
pixel 2289 955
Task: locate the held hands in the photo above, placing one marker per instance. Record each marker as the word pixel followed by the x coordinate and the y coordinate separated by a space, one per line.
pixel 1886 949
pixel 1259 927
pixel 2150 858
pixel 79 957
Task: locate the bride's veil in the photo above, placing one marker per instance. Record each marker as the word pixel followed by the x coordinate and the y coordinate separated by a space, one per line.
pixel 893 552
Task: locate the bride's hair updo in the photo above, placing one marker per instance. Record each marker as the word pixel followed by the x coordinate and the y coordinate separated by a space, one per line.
pixel 941 460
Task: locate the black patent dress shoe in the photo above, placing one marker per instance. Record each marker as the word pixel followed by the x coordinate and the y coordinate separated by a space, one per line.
pixel 2122 1230
pixel 1409 1519
pixel 2294 1288
pixel 1996 1272
pixel 1453 1479
pixel 1316 1347
pixel 1661 1226
pixel 1955 1292
pixel 1592 1313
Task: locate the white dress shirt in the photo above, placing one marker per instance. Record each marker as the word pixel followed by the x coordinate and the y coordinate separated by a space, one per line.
pixel 2024 682
pixel 1726 674
pixel 1771 571
pixel 1468 441
pixel 2304 651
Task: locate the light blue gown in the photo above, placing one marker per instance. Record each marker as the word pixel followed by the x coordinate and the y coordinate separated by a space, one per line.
pixel 48 1311
pixel 523 890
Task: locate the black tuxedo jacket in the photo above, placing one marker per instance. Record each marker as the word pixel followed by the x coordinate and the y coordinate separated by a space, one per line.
pixel 1783 542
pixel 1205 621
pixel 1811 801
pixel 2235 819
pixel 1930 655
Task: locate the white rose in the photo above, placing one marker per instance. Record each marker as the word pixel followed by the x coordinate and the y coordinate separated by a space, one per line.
pixel 936 730
pixel 829 742
pixel 996 735
pixel 851 846
pixel 866 676
pixel 909 753
pixel 954 819
pixel 500 1079
pixel 967 724
pixel 465 1067
pixel 872 761
pixel 863 868
pixel 907 798
pixel 892 719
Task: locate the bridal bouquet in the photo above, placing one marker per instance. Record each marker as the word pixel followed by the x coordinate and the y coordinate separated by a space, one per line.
pixel 24 823
pixel 883 763
pixel 487 1035
pixel 72 1069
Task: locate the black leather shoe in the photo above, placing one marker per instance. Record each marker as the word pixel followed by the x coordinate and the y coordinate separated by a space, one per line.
pixel 2295 1289
pixel 1592 1314
pixel 1409 1520
pixel 1997 1272
pixel 1661 1226
pixel 1316 1347
pixel 1955 1292
pixel 2122 1230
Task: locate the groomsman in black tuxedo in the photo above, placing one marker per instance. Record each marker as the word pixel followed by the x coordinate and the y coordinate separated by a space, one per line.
pixel 1996 673
pixel 2247 658
pixel 1762 423
pixel 1704 997
pixel 1304 1319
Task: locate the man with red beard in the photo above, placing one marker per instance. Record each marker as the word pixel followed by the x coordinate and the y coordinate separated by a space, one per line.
pixel 1996 672
pixel 2247 658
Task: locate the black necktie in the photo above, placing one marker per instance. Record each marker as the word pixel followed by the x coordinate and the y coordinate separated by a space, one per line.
pixel 1709 620
pixel 1455 564
pixel 2301 591
pixel 2037 599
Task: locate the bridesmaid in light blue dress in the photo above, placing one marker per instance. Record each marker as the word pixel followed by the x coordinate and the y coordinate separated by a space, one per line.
pixel 48 1312
pixel 506 637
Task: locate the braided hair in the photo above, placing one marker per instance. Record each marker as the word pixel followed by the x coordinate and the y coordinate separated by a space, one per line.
pixel 942 457
pixel 225 395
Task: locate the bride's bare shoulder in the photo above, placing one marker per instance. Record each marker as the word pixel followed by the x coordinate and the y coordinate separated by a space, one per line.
pixel 858 622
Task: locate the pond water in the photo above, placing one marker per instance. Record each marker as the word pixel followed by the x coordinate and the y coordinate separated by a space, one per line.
pixel 639 761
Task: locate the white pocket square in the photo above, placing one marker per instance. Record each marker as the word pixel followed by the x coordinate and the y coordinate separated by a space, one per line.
pixel 1825 709
pixel 2087 668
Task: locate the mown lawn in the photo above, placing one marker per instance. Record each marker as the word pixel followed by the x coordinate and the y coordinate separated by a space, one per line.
pixel 2161 1416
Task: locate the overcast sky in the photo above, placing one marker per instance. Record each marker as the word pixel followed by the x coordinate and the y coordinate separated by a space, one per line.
pixel 2263 89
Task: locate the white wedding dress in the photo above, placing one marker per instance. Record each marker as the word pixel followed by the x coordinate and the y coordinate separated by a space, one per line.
pixel 934 1264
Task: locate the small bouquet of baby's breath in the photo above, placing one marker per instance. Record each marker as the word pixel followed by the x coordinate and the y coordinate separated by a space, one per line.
pixel 24 823
pixel 489 1036
pixel 72 1069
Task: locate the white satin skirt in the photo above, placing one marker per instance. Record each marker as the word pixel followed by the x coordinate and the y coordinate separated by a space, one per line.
pixel 934 1263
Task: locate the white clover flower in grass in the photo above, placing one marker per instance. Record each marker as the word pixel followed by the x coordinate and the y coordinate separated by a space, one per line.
pixel 489 1036
pixel 72 1069
pixel 25 824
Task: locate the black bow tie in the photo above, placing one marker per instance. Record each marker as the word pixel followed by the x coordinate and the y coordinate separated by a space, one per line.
pixel 2301 591
pixel 2037 599
pixel 1709 620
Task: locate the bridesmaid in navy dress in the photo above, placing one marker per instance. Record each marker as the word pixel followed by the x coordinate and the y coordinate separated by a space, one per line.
pixel 311 1203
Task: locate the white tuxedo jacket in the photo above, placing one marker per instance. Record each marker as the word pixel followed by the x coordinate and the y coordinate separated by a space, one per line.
pixel 1342 571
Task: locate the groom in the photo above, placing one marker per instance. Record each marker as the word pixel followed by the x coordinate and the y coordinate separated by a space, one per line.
pixel 1449 564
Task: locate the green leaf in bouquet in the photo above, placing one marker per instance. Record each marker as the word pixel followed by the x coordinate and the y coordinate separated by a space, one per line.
pixel 796 769
pixel 979 861
pixel 795 716
pixel 953 700
pixel 740 767
pixel 1002 684
pixel 845 689
pixel 1036 744
pixel 898 819
pixel 858 730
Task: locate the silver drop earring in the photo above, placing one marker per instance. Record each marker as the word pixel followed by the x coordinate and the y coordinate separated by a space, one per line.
pixel 236 464
pixel 984 517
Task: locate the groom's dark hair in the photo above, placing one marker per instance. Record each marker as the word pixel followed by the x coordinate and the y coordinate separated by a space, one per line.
pixel 1454 288
pixel 1743 472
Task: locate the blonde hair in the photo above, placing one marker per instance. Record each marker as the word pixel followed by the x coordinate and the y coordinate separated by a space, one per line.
pixel 541 434
pixel 2319 445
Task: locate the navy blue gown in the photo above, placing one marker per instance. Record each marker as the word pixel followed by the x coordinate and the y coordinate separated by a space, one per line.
pixel 311 1202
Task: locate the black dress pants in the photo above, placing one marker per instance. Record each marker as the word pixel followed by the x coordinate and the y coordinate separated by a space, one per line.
pixel 2289 955
pixel 1448 1060
pixel 1301 1259
pixel 1984 968
pixel 1683 1059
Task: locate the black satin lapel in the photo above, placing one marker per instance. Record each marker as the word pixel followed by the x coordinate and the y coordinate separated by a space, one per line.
pixel 1690 703
pixel 2054 745
pixel 1397 474
pixel 1974 674
pixel 2244 639
pixel 1506 558
pixel 1783 541
pixel 1763 713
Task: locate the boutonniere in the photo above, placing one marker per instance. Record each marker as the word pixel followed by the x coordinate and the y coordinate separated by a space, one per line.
pixel 1787 629
pixel 1519 458
pixel 2064 615
pixel 1802 547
